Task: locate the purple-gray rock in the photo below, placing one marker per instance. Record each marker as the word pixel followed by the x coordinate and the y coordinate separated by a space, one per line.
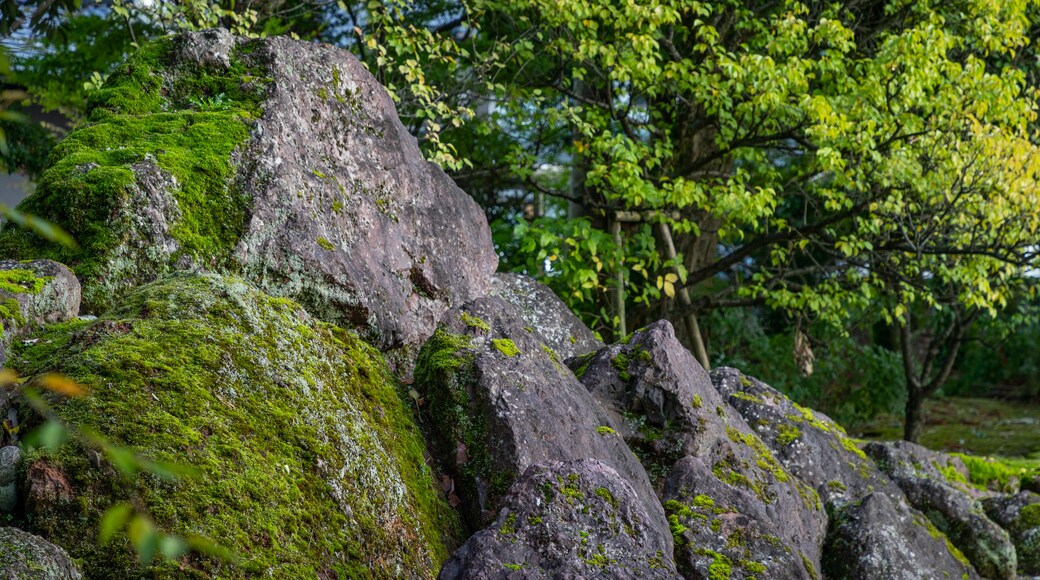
pixel 1019 514
pixel 817 451
pixel 874 538
pixel 34 293
pixel 546 313
pixel 346 214
pixel 809 444
pixel 500 400
pixel 10 457
pixel 24 556
pixel 577 519
pixel 728 499
pixel 948 502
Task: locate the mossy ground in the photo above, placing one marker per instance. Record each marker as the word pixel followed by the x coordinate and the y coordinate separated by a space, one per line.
pixel 309 464
pixel 968 425
pixel 189 123
pixel 999 439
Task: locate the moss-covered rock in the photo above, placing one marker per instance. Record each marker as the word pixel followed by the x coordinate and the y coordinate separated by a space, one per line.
pixel 278 160
pixel 309 464
pixel 146 184
pixel 33 293
pixel 24 556
pixel 498 402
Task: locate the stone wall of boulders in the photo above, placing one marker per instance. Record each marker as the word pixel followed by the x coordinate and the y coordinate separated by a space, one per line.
pixel 361 396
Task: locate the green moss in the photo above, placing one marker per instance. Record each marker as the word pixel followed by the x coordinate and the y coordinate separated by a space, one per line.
pixel 703 501
pixel 607 496
pixel 809 567
pixel 11 310
pixel 836 485
pixel 787 434
pixel 746 397
pixel 325 244
pixel 721 567
pixel 555 358
pixel 951 474
pixel 697 402
pixel 508 527
pixel 443 374
pixel 474 322
pixel 20 281
pixel 937 534
pixel 604 430
pixel 621 362
pixel 146 111
pixel 716 525
pixel 297 424
pixel 1029 517
pixel 514 567
pixel 505 346
pixel 583 363
pixel 986 472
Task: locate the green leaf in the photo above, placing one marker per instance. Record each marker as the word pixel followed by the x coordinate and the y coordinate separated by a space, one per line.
pixel 113 520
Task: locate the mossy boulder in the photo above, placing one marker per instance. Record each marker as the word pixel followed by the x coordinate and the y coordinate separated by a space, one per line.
pixel 731 505
pixel 574 519
pixel 807 443
pixel 937 485
pixel 544 312
pixel 308 462
pixel 33 293
pixel 874 537
pixel 499 400
pixel 282 161
pixel 1019 514
pixel 24 556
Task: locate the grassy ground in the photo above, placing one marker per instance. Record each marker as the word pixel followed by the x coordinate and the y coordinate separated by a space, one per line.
pixel 975 426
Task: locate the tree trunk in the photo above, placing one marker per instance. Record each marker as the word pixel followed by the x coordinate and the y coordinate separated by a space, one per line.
pixel 913 424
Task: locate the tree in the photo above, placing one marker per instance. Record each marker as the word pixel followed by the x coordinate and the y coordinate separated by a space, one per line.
pixel 815 158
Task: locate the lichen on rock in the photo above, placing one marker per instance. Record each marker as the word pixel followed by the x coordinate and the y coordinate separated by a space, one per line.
pixel 309 463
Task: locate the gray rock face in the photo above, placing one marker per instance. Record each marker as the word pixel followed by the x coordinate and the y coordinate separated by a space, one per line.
pixel 10 457
pixel 346 214
pixel 728 499
pixel 547 314
pixel 500 400
pixel 875 538
pixel 577 519
pixel 34 293
pixel 809 444
pixel 1020 515
pixel 948 502
pixel 817 451
pixel 24 556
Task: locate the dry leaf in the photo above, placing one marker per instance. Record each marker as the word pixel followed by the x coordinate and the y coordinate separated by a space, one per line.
pixel 62 385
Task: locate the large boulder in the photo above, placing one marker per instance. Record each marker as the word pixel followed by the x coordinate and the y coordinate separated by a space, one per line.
pixel 24 556
pixel 34 293
pixel 543 311
pixel 874 538
pixel 308 462
pixel 936 484
pixel 10 458
pixel 730 503
pixel 499 400
pixel 1020 515
pixel 280 160
pixel 817 451
pixel 577 519
pixel 808 443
